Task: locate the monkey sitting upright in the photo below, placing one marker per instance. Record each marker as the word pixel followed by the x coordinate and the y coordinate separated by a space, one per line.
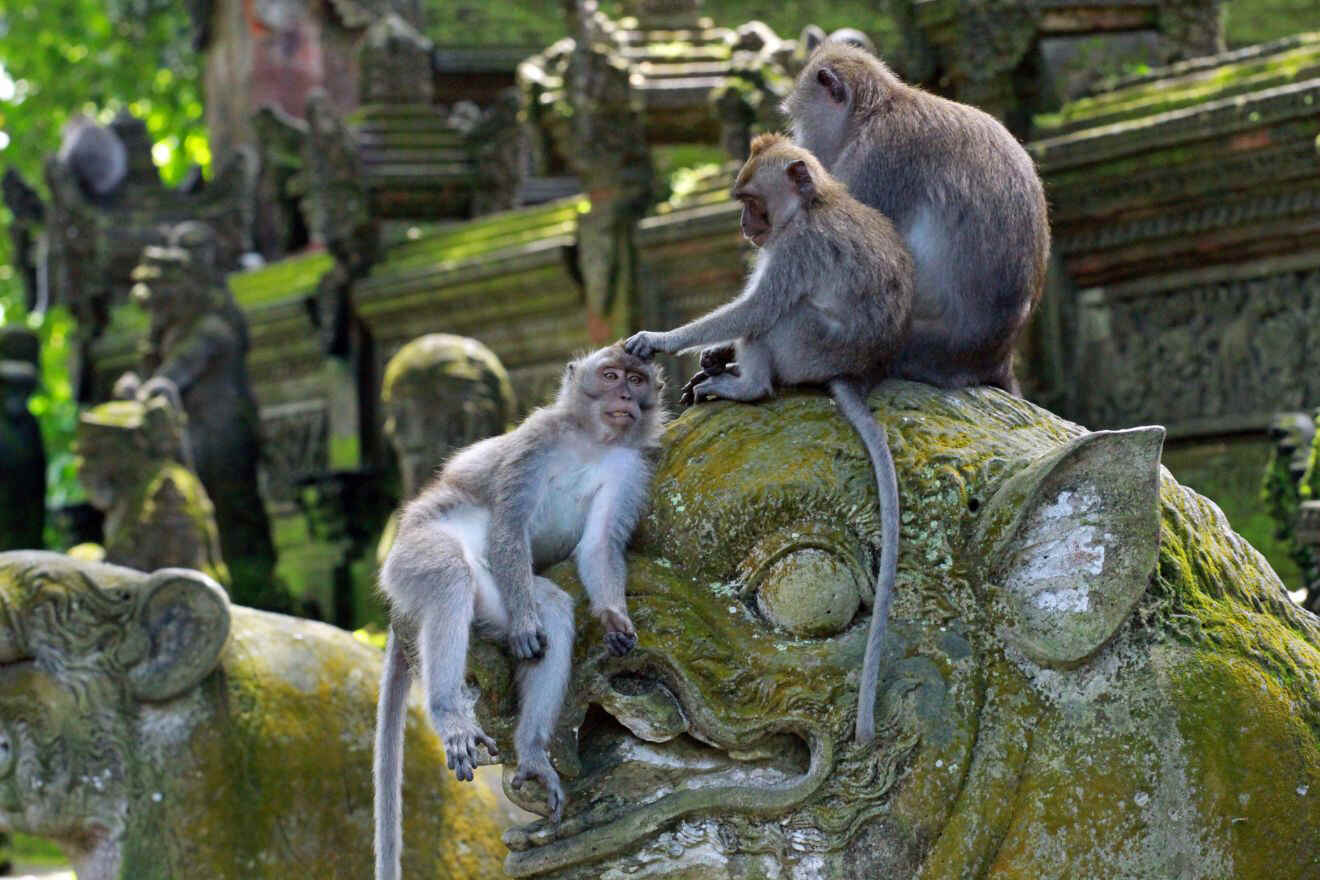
pixel 961 191
pixel 571 480
pixel 828 303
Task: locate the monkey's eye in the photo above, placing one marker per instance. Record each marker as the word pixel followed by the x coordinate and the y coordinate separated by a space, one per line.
pixel 636 379
pixel 610 375
pixel 808 578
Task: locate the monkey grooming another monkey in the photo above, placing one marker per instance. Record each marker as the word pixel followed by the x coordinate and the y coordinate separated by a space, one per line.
pixel 828 303
pixel 571 480
pixel 961 191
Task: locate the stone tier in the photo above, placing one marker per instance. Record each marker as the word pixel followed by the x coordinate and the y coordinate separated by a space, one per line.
pixel 418 163
pixel 1211 162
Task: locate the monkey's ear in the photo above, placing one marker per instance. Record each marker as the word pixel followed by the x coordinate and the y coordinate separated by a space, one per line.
pixel 180 625
pixel 800 174
pixel 833 85
pixel 1071 542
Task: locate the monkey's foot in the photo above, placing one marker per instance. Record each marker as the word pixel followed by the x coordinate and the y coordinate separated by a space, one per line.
pixel 461 736
pixel 527 638
pixel 690 396
pixel 539 769
pixel 620 636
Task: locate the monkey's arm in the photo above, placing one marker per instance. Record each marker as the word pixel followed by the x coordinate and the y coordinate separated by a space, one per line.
pixel 514 497
pixel 600 557
pixel 772 290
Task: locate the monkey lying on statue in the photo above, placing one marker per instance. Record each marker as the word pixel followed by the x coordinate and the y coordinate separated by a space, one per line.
pixel 828 303
pixel 571 480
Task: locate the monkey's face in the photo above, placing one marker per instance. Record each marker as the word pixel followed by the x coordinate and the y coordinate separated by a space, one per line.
pixel 621 393
pixel 755 220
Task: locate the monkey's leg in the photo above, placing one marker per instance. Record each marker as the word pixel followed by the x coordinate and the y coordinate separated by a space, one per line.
pixel 442 642
pixel 751 380
pixel 541 688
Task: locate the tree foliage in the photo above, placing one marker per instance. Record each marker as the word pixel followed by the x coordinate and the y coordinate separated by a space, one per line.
pixel 59 57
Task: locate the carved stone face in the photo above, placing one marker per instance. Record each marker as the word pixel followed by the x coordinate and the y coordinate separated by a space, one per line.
pixel 441 393
pixel 1038 705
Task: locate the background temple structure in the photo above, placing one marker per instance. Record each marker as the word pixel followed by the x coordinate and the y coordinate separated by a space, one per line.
pixel 377 187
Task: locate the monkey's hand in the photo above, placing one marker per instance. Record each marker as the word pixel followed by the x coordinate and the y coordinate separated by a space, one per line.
pixel 539 768
pixel 717 358
pixel 620 636
pixel 461 736
pixel 527 638
pixel 645 344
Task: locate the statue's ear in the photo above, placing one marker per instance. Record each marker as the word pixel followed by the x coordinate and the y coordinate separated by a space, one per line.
pixel 183 619
pixel 1071 542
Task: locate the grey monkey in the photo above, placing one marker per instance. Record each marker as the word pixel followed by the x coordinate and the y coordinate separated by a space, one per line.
pixel 962 192
pixel 570 481
pixel 95 154
pixel 828 303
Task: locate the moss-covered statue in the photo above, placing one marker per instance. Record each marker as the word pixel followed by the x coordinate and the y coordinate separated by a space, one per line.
pixel 131 456
pixel 22 456
pixel 1088 674
pixel 440 393
pixel 198 340
pixel 157 732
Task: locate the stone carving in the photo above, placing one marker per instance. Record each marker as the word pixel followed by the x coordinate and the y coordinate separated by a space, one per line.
pixel 22 455
pixel 198 341
pixel 441 393
pixel 1154 363
pixel 1289 478
pixel 154 730
pixel 132 463
pixel 337 208
pixel 1088 673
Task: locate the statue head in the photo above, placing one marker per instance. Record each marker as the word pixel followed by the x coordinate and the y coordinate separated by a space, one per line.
pixel 1086 673
pixel 119 441
pixel 20 353
pixel 179 278
pixel 440 393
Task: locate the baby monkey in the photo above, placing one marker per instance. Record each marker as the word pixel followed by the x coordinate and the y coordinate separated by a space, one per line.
pixel 571 480
pixel 828 303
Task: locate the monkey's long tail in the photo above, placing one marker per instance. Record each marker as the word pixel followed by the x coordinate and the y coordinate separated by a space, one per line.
pixel 852 403
pixel 388 761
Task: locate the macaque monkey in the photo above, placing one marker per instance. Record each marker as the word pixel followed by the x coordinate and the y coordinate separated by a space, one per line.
pixel 95 154
pixel 962 193
pixel 571 480
pixel 828 303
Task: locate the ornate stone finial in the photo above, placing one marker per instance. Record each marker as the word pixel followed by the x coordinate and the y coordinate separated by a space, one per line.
pixel 158 515
pixel 440 393
pixel 395 64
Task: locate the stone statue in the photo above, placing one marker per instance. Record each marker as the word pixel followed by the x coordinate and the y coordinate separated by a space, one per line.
pixel 1088 674
pixel 198 341
pixel 22 456
pixel 152 729
pixel 132 458
pixel 440 393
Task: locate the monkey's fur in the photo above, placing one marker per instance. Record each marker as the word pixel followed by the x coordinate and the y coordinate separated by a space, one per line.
pixel 571 480
pixel 95 154
pixel 960 190
pixel 829 303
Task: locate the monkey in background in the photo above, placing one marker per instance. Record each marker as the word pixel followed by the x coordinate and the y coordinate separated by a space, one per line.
pixel 828 303
pixel 571 480
pixel 96 156
pixel 961 191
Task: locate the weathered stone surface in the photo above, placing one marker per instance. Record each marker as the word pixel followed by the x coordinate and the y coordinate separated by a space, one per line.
pixel 1087 673
pixel 155 731
pixel 131 458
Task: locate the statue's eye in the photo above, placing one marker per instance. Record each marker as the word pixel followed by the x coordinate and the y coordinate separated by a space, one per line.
pixel 809 579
